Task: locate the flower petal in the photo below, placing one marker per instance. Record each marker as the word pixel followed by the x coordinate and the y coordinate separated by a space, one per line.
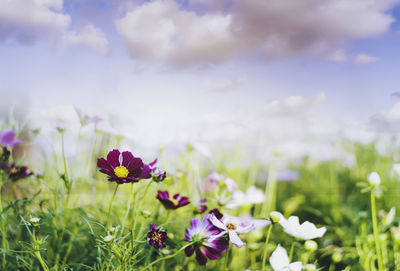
pixel 279 259
pixel 113 158
pixel 234 238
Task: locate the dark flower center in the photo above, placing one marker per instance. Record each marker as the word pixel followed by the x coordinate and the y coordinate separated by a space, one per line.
pixel 156 236
pixel 231 226
pixel 121 172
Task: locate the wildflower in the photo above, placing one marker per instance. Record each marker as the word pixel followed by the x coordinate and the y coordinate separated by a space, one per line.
pixel 156 237
pixel 207 240
pixel 34 221
pixel 85 119
pixel 146 213
pixel 374 179
pixel 310 267
pixel 252 196
pixel 7 139
pixel 123 167
pixel 174 203
pixel 233 226
pixel 108 239
pixel 275 216
pixel 311 245
pixel 201 207
pixel 159 175
pixel 280 261
pixel 16 173
pixel 305 231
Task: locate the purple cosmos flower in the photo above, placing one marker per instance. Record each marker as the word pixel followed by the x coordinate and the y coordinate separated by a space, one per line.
pixel 174 203
pixel 16 173
pixel 216 212
pixel 6 139
pixel 123 167
pixel 201 207
pixel 233 226
pixel 156 237
pixel 207 240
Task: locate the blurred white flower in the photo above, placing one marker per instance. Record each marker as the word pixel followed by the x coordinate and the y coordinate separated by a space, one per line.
pixel 108 239
pixel 305 231
pixel 258 223
pixel 374 179
pixel 280 261
pixel 231 185
pixel 396 168
pixel 252 196
pixel 35 221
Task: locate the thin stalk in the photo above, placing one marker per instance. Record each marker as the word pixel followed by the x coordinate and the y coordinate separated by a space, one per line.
pixel 128 208
pixel 291 251
pixel 37 252
pixel 109 207
pixel 138 209
pixel 167 257
pixel 69 184
pixel 376 232
pixel 264 261
pixel 3 232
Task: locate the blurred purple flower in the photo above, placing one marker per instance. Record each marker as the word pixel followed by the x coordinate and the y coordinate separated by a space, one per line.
pixel 16 173
pixel 287 176
pixel 174 203
pixel 123 167
pixel 207 240
pixel 7 139
pixel 156 237
pixel 159 175
pixel 216 213
pixel 233 226
pixel 201 207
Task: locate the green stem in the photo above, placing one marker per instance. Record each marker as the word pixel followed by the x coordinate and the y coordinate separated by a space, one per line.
pixel 376 232
pixel 140 205
pixel 37 252
pixel 69 184
pixel 291 251
pixel 167 257
pixel 109 207
pixel 91 156
pixel 128 208
pixel 265 248
pixel 3 232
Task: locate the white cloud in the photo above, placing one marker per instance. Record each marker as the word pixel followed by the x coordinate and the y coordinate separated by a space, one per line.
pixel 30 20
pixel 89 36
pixel 27 21
pixel 162 30
pixel 362 59
pixel 387 121
pixel 226 84
pixel 338 56
pixel 292 105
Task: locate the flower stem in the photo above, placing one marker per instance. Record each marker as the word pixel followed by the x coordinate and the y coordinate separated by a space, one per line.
pixel 138 207
pixel 3 232
pixel 167 257
pixel 265 248
pixel 291 251
pixel 67 180
pixel 36 247
pixel 376 232
pixel 109 207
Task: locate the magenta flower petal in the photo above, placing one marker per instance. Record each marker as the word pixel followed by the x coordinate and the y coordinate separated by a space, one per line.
pixel 113 158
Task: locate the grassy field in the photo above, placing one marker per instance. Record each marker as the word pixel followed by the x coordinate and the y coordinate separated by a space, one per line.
pixel 67 215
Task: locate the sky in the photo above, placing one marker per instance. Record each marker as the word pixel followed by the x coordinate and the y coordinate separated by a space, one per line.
pixel 183 70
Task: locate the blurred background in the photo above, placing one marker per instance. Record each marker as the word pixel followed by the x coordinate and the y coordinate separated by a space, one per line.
pixel 294 78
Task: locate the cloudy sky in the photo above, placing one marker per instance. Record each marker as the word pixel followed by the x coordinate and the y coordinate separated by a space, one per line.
pixel 207 68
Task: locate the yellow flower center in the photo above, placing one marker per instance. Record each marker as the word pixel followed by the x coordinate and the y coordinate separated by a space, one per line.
pixel 156 237
pixel 14 171
pixel 231 226
pixel 121 172
pixel 174 202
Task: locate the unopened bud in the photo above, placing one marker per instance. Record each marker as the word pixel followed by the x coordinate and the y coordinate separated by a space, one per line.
pixel 310 267
pixel 275 216
pixel 108 239
pixel 35 221
pixel 146 213
pixel 311 245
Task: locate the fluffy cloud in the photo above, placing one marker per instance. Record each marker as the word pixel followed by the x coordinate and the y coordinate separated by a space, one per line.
pixel 28 21
pixel 162 30
pixel 89 36
pixel 362 59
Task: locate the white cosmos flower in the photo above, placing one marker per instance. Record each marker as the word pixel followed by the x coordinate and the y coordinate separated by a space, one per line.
pixel 233 226
pixel 252 196
pixel 374 178
pixel 305 231
pixel 280 261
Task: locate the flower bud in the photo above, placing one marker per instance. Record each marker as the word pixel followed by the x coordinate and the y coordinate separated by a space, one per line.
pixel 275 217
pixel 337 257
pixel 34 221
pixel 374 179
pixel 108 239
pixel 113 229
pixel 310 267
pixel 311 245
pixel 159 175
pixel 146 213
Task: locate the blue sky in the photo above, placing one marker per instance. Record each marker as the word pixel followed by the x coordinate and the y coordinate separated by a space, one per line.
pixel 205 62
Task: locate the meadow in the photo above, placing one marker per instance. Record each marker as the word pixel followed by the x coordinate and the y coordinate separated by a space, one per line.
pixel 106 208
